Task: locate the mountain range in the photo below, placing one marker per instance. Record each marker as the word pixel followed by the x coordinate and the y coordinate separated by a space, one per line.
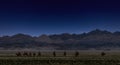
pixel 96 39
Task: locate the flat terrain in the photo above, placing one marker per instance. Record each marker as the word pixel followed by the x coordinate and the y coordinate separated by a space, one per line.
pixel 47 58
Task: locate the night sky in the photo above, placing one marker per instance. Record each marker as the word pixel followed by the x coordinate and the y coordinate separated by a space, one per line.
pixel 36 17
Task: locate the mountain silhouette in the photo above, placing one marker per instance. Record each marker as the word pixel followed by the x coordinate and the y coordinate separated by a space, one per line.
pixel 96 39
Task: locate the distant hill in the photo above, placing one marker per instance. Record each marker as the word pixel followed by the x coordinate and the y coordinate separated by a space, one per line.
pixel 96 39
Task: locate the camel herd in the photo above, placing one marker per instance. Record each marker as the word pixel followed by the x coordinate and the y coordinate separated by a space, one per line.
pixel 29 54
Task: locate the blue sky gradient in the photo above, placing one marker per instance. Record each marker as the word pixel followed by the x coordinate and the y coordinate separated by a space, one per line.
pixel 36 17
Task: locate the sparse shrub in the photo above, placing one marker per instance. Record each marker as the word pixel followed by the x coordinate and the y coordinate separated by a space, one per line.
pixel 76 54
pixel 64 53
pixel 103 53
pixel 54 54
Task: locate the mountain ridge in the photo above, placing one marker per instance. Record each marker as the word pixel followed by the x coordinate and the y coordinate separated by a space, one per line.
pixel 96 39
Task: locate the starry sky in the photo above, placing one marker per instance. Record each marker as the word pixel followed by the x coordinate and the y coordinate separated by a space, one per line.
pixel 36 17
